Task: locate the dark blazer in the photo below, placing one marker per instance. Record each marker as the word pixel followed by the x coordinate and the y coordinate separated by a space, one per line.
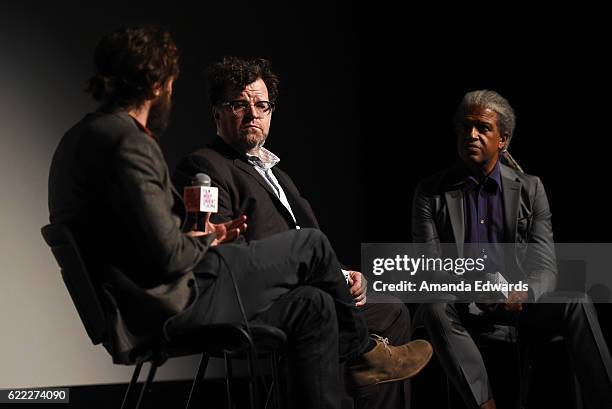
pixel 242 190
pixel 438 216
pixel 110 184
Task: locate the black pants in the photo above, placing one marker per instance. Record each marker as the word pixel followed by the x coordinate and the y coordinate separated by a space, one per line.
pixel 448 326
pixel 292 281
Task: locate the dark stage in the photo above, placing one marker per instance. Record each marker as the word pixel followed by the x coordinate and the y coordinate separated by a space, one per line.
pixel 367 94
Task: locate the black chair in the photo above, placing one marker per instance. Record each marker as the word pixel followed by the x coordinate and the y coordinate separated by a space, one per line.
pixel 228 341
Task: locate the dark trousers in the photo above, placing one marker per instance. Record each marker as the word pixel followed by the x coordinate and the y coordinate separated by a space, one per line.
pixel 449 325
pixel 292 281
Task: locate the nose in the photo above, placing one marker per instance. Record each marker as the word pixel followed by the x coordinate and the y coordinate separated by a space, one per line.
pixel 252 112
pixel 473 133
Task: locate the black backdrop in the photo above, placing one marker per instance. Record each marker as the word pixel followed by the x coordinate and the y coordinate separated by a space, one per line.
pixel 552 65
pixel 367 94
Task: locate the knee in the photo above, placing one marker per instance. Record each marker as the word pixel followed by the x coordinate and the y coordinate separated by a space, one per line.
pixel 316 236
pixel 433 309
pixel 433 312
pixel 578 306
pixel 315 301
pixel 308 312
pixel 400 313
pixel 572 302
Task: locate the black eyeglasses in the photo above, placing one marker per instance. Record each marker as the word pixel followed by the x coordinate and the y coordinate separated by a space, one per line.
pixel 240 107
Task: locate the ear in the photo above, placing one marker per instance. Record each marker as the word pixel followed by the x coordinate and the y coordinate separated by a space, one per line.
pixel 503 139
pixel 216 113
pixel 216 116
pixel 156 91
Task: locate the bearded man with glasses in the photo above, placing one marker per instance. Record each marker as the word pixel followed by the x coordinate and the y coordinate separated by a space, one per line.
pixel 242 95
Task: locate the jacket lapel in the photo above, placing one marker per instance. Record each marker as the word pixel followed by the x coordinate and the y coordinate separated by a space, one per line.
pixel 454 203
pixel 251 171
pixel 303 216
pixel 240 161
pixel 511 188
pixel 453 193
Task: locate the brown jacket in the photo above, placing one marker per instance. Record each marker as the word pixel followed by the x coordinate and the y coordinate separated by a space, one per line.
pixel 110 184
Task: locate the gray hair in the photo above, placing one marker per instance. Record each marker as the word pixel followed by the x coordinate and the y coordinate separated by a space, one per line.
pixel 489 100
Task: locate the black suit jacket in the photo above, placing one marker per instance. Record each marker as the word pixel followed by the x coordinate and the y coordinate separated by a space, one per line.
pixel 242 190
pixel 110 184
pixel 438 216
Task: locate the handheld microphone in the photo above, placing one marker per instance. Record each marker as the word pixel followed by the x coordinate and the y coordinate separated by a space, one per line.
pixel 499 285
pixel 200 198
pixel 493 289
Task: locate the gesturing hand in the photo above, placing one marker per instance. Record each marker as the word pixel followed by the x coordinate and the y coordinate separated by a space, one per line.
pixel 224 232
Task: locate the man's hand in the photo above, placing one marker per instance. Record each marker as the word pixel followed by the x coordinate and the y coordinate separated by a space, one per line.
pixel 224 232
pixel 358 286
pixel 487 307
pixel 515 301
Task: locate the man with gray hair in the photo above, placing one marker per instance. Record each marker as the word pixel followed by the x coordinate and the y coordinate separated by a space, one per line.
pixel 482 200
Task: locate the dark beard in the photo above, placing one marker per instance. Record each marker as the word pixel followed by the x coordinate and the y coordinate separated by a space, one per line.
pixel 159 114
pixel 246 144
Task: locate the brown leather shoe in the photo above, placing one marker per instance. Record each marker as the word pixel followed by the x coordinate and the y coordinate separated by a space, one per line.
pixel 490 404
pixel 386 363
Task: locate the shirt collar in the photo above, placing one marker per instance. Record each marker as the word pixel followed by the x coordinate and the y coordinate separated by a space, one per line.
pixel 144 128
pixel 112 109
pixel 266 159
pixel 492 181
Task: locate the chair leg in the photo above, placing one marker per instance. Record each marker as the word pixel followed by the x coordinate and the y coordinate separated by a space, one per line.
pixel 525 370
pixel 275 380
pixel 449 399
pixel 577 393
pixel 252 355
pixel 130 388
pixel 269 395
pixel 228 377
pixel 197 381
pixel 147 386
